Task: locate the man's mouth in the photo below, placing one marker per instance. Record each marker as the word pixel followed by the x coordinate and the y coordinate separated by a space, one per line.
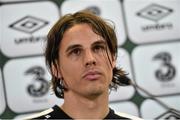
pixel 92 75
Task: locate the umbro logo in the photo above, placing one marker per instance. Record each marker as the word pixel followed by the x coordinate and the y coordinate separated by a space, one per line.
pixel 94 9
pixel 169 115
pixel 47 116
pixel 28 24
pixel 154 12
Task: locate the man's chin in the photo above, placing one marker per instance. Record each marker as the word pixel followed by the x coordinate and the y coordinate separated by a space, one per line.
pixel 96 92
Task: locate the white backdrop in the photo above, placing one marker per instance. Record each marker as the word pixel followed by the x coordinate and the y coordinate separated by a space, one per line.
pixel 148 33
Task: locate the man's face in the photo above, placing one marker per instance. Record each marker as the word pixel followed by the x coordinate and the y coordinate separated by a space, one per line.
pixel 83 62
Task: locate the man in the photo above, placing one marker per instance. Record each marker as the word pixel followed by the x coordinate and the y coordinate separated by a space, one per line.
pixel 81 55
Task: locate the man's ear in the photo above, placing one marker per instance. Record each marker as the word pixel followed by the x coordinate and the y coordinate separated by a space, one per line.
pixel 56 71
pixel 113 61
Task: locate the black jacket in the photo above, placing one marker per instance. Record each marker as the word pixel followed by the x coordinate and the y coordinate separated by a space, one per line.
pixel 57 113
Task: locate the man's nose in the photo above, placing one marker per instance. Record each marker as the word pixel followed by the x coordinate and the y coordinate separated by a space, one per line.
pixel 89 58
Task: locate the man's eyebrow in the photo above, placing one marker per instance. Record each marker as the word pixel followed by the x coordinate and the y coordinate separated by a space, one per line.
pixel 72 47
pixel 99 42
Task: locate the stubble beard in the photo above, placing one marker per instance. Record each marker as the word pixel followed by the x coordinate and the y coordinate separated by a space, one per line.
pixel 95 92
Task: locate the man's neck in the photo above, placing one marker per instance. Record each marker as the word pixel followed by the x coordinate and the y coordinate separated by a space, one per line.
pixel 81 107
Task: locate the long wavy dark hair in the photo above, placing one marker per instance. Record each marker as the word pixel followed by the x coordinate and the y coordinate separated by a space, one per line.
pixel 55 35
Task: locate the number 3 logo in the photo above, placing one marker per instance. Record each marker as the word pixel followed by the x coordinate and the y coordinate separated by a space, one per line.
pixel 166 64
pixel 38 72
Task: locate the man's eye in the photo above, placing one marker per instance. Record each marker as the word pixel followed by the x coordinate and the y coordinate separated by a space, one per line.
pixel 75 52
pixel 98 48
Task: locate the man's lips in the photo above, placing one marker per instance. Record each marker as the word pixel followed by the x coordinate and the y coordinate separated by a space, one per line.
pixel 92 75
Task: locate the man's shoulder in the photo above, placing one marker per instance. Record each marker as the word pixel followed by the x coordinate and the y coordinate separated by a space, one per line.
pixel 41 115
pixel 53 113
pixel 128 116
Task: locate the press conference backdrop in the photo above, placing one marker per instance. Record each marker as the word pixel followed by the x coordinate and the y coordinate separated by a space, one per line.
pixel 148 33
